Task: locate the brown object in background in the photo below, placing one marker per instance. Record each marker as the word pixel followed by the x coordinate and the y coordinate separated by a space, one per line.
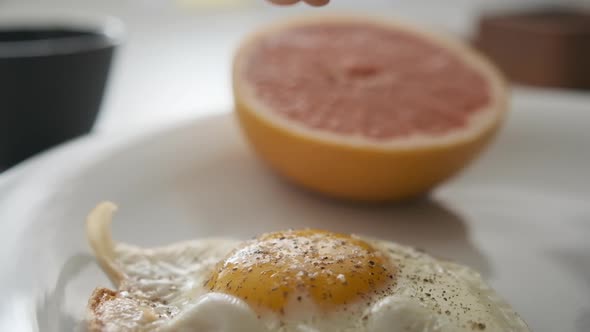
pixel 542 47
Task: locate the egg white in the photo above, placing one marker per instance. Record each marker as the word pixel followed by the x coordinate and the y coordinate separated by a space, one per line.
pixel 162 289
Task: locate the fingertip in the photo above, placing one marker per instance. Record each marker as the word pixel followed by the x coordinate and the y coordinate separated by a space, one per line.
pixel 317 3
pixel 284 2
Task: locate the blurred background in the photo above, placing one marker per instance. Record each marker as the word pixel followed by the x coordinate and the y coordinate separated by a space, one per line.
pixel 175 59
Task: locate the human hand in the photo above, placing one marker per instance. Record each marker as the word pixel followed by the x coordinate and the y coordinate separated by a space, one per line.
pixel 310 2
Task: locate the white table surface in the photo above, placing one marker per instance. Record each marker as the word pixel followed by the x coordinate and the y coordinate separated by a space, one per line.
pixel 176 58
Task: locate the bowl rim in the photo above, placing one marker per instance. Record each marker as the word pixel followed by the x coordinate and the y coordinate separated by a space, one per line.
pixel 101 32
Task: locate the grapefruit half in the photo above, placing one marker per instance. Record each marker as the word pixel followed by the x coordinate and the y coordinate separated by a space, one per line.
pixel 365 109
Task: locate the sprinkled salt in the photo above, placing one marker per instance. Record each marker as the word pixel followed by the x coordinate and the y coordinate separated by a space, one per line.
pixel 341 277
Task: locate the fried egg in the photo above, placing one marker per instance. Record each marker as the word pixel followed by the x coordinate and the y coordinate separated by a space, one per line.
pixel 291 281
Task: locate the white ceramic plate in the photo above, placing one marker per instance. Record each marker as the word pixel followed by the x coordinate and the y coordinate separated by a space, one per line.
pixel 520 215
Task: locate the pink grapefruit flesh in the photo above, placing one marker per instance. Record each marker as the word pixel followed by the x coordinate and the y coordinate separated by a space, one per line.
pixel 374 82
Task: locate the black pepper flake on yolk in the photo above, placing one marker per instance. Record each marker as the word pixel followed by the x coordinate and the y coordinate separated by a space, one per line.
pixel 333 270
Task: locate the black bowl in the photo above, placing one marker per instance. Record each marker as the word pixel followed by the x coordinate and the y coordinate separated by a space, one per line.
pixel 52 80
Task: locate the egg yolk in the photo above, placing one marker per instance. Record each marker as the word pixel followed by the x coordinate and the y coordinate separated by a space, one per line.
pixel 331 269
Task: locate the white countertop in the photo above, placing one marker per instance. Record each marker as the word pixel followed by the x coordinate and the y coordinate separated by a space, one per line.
pixel 176 58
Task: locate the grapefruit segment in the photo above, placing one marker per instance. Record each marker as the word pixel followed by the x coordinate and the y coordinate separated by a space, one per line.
pixel 365 109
